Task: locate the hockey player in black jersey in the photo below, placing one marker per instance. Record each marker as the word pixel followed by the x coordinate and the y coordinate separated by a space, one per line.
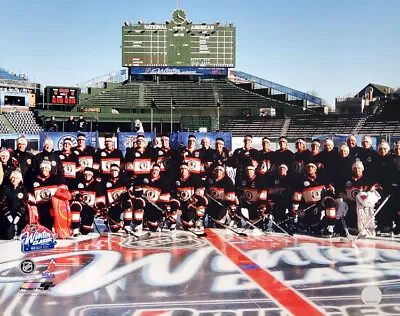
pixel 89 198
pixel 5 166
pixel 312 202
pixel 70 163
pixel 265 158
pixel 221 193
pixel 117 199
pixel 252 195
pixel 191 156
pixel 41 188
pixel 13 206
pixel 85 153
pixel 243 157
pixel 301 157
pixel 104 158
pixel 138 160
pixel 156 192
pixel 22 159
pixel 188 193
pixel 280 192
pixel 52 157
pixel 221 154
pixel 283 155
pixel 168 159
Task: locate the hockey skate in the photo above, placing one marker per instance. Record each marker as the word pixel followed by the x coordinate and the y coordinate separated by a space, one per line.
pixel 234 223
pixel 138 228
pixel 137 232
pixel 198 228
pixel 75 232
pixel 172 228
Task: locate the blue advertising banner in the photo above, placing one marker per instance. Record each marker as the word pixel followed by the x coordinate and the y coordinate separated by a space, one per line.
pixel 15 136
pixel 9 141
pixel 178 71
pixel 92 139
pixel 126 140
pixel 393 140
pixel 181 138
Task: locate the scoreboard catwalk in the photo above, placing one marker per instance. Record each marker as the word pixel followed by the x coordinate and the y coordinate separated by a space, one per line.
pixel 178 42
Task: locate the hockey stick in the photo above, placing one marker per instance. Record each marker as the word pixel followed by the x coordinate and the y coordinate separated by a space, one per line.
pixel 270 219
pixel 307 208
pixel 218 222
pixel 97 228
pixel 77 198
pixel 144 236
pixel 279 227
pixel 229 228
pixel 372 217
pixel 167 216
pixel 158 208
pixel 147 234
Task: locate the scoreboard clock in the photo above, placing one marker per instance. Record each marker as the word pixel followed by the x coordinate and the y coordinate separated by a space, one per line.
pixel 62 95
pixel 179 42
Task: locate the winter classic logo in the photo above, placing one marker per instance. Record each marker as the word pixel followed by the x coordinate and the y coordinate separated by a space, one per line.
pixel 36 238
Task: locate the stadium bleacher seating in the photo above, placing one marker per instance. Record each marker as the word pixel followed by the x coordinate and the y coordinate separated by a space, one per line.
pixel 262 126
pixel 9 76
pixel 184 93
pixel 122 96
pixel 309 125
pixel 373 127
pixel 197 102
pixel 193 123
pixel 23 122
pixel 3 128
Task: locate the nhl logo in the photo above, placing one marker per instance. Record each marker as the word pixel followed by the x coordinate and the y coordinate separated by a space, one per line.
pixel 27 266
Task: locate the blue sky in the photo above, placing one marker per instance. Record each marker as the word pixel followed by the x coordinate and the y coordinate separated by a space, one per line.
pixel 333 48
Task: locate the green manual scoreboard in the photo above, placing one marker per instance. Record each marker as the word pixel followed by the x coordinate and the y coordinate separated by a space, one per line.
pixel 178 42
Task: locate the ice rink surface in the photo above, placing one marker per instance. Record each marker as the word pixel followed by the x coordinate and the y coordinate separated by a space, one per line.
pixel 219 275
